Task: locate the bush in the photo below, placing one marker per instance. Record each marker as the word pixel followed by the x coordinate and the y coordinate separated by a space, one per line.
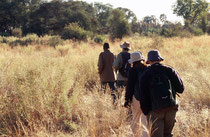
pixel 55 40
pixel 185 33
pixel 196 31
pixel 30 39
pixel 74 31
pixel 99 39
pixel 1 39
pixel 17 32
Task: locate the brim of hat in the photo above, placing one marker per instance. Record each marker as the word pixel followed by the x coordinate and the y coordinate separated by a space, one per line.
pixel 122 46
pixel 132 61
pixel 160 59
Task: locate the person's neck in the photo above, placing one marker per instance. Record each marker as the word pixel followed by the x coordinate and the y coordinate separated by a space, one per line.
pixel 124 50
pixel 154 62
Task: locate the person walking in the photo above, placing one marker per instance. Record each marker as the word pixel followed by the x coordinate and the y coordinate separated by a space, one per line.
pixel 139 121
pixel 159 85
pixel 120 65
pixel 105 69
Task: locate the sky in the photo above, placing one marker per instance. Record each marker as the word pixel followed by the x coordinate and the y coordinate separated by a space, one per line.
pixel 144 8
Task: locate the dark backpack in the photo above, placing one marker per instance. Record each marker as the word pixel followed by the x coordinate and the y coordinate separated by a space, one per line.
pixel 124 70
pixel 136 88
pixel 161 91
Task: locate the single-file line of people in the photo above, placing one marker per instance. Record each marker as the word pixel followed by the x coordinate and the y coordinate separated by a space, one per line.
pixel 150 86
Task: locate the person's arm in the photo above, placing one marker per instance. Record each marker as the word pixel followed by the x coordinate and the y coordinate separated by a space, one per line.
pixel 144 94
pixel 117 64
pixel 100 64
pixel 130 87
pixel 177 82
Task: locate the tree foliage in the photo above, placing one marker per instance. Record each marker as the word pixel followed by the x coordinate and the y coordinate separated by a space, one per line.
pixel 74 31
pixel 118 24
pixel 55 17
pixel 190 10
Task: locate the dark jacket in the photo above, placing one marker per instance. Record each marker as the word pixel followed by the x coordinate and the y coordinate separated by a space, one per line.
pixel 132 88
pixel 105 68
pixel 176 83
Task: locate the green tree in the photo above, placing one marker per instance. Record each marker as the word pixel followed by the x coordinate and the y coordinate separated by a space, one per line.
pixel 208 26
pixel 163 18
pixel 53 16
pixel 190 10
pixel 150 26
pixel 131 17
pixel 49 18
pixel 103 13
pixel 119 26
pixel 14 14
pixel 203 24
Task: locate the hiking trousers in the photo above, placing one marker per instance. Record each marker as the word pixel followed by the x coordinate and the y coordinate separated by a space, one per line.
pixel 162 122
pixel 121 83
pixel 139 120
pixel 110 84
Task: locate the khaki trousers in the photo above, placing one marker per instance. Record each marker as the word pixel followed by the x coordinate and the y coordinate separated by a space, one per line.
pixel 139 120
pixel 162 122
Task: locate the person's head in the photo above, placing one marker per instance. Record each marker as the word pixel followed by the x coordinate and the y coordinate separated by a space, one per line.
pixel 137 59
pixel 106 46
pixel 125 46
pixel 154 56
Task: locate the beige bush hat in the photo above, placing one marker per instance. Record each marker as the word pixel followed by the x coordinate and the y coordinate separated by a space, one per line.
pixel 126 45
pixel 136 56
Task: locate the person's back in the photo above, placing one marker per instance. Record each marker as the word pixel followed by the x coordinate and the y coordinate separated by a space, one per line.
pixel 132 94
pixel 119 64
pixel 107 73
pixel 158 88
pixel 156 71
pixel 105 68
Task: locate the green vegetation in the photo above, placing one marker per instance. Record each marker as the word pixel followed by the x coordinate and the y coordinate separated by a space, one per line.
pixel 58 17
pixel 74 31
pixel 56 92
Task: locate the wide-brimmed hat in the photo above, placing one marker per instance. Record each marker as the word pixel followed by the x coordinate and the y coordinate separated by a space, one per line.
pixel 154 55
pixel 136 56
pixel 125 45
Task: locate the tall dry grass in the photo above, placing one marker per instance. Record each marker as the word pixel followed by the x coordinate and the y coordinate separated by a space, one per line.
pixel 56 92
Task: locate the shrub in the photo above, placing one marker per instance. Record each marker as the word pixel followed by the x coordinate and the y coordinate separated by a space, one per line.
pixel 74 31
pixel 29 39
pixel 55 40
pixel 32 37
pixel 9 40
pixel 196 31
pixel 99 39
pixel 166 32
pixel 1 39
pixel 185 33
pixel 17 32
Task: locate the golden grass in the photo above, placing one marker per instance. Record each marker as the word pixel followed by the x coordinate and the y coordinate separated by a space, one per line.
pixel 56 92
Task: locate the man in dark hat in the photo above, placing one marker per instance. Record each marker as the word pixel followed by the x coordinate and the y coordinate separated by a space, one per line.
pixel 105 68
pixel 159 85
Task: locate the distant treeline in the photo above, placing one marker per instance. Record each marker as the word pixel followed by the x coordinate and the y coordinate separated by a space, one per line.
pixel 80 20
